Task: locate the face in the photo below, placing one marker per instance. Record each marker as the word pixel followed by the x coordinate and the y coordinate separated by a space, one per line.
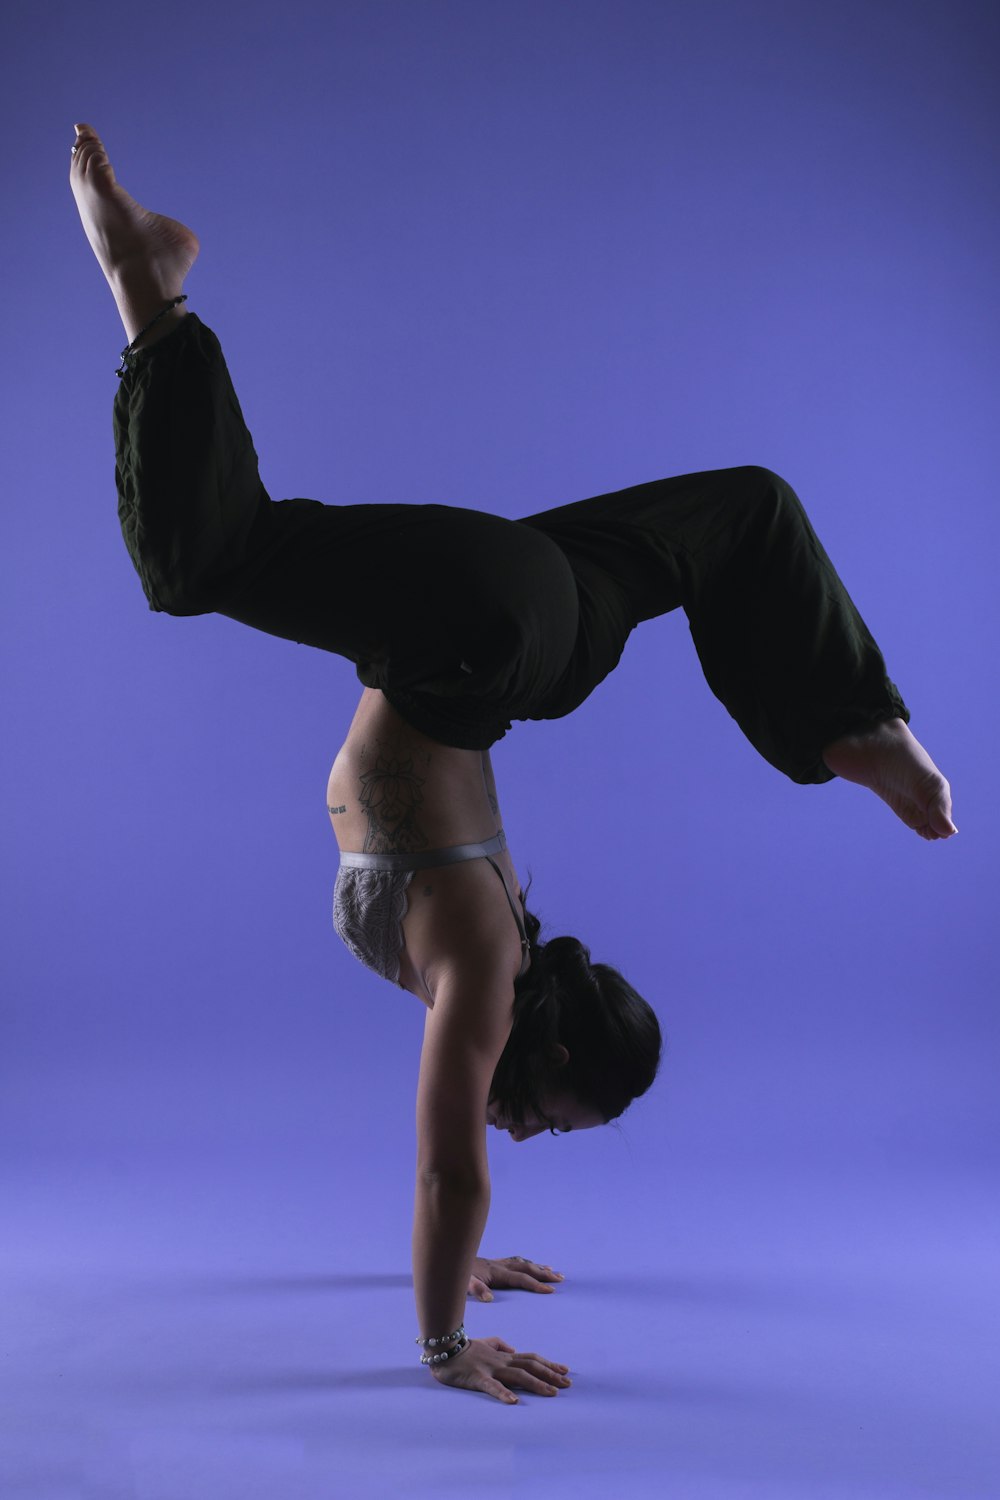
pixel 565 1112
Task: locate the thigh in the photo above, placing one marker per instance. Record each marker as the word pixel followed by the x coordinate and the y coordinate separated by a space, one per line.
pixel 418 589
pixel 640 549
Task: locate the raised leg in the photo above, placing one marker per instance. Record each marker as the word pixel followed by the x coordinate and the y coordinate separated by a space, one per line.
pixel 891 762
pixel 458 616
pixel 781 643
pixel 144 256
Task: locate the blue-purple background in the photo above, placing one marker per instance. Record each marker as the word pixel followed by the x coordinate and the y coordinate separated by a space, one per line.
pixel 505 255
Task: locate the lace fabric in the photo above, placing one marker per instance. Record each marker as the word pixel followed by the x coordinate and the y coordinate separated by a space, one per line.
pixel 370 900
pixel 369 907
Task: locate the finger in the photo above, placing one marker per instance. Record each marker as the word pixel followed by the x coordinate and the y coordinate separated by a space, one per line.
pixel 537 1280
pixel 494 1388
pixel 547 1373
pixel 534 1268
pixel 528 1283
pixel 496 1343
pixel 546 1368
pixel 529 1382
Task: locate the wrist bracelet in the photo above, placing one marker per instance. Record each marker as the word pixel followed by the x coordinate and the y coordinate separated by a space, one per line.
pixel 439 1359
pixel 444 1339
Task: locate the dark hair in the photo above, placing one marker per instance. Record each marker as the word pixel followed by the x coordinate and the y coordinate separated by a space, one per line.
pixel 610 1032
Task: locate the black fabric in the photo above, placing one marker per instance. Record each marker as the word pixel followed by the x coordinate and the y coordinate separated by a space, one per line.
pixel 468 621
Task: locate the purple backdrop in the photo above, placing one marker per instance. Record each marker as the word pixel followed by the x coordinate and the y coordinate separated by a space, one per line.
pixel 505 255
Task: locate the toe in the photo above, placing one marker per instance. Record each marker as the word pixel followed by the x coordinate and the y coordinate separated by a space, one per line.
pixel 939 819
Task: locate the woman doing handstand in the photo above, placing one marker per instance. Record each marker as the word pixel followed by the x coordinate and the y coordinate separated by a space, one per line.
pixel 459 622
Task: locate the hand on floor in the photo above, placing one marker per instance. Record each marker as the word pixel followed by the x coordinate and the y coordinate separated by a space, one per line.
pixel 514 1271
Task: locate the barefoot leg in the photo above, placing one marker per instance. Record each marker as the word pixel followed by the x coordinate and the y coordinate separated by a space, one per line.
pixel 144 256
pixel 891 762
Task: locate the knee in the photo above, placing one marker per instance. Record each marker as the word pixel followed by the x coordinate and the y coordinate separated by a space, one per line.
pixel 764 481
pixel 171 581
pixel 169 593
pixel 173 602
pixel 768 495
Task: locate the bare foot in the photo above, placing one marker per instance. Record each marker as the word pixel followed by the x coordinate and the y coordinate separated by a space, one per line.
pixel 144 256
pixel 890 761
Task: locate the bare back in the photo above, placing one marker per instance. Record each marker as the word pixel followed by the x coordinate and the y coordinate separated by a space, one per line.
pixel 393 790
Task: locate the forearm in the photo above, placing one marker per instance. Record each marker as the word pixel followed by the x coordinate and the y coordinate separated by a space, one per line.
pixel 448 1224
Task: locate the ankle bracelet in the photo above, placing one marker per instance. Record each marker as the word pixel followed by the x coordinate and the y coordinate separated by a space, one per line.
pixel 130 347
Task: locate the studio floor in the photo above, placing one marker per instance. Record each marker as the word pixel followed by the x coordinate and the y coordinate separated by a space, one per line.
pixel 170 1334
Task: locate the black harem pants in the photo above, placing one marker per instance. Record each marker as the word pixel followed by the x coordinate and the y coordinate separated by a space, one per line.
pixel 466 620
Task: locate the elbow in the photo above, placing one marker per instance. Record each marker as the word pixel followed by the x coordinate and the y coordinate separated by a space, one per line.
pixel 471 1182
pixel 453 1161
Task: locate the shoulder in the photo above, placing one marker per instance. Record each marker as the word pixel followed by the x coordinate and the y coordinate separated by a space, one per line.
pixel 472 933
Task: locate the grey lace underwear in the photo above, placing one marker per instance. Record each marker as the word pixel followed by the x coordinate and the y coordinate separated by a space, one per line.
pixel 369 907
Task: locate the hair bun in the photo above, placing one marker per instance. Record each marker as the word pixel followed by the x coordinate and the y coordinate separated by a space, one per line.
pixel 565 953
pixel 570 950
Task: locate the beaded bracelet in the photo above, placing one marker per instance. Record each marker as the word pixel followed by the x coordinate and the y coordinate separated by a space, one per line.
pixel 129 347
pixel 439 1359
pixel 446 1338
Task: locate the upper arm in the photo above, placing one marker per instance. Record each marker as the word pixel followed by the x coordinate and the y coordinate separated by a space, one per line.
pixel 464 1035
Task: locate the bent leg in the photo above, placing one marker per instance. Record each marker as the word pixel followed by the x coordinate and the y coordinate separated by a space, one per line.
pixel 455 614
pixel 780 641
pixel 198 523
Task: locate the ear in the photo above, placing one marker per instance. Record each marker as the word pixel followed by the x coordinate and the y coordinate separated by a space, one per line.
pixel 559 1054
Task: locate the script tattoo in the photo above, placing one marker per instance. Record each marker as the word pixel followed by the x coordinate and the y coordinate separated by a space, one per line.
pixel 391 796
